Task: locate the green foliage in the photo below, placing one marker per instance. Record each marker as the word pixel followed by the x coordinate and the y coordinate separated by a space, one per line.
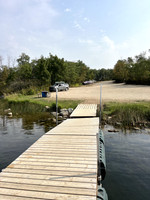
pixel 103 74
pixel 128 114
pixel 18 86
pixel 120 71
pixel 3 105
pixel 25 107
pixel 23 59
pixel 76 85
pixel 16 98
pixel 45 72
pixel 57 68
pixel 25 72
pixel 4 72
pixel 29 91
pixel 53 107
pixel 133 71
pixel 68 103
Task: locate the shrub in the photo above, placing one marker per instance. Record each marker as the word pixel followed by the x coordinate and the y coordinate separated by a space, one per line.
pixel 30 91
pixel 53 107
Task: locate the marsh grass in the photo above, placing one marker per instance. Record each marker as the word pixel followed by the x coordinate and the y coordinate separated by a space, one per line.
pixel 128 114
pixel 31 103
pixel 3 106
pixel 25 107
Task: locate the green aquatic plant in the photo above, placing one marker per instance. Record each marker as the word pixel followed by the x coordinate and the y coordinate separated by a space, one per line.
pixel 127 114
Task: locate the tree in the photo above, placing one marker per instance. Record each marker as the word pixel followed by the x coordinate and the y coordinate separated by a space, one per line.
pixel 104 74
pixel 82 71
pixel 1 62
pixel 4 72
pixel 120 71
pixel 23 59
pixel 56 68
pixel 42 73
pixel 133 70
pixel 25 72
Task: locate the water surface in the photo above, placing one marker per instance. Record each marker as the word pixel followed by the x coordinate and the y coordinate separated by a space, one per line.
pixel 17 134
pixel 127 155
pixel 128 165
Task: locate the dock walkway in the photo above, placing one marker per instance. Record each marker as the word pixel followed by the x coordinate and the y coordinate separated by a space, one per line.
pixel 61 165
pixel 85 110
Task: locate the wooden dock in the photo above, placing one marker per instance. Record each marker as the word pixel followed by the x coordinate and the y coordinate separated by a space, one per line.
pixel 61 165
pixel 85 110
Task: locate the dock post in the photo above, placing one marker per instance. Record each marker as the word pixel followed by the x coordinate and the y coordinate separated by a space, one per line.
pixel 100 112
pixel 56 106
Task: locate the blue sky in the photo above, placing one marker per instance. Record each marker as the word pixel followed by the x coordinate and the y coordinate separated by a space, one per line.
pixel 98 32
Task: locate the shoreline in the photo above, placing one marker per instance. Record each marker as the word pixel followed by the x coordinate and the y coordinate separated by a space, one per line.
pixel 135 115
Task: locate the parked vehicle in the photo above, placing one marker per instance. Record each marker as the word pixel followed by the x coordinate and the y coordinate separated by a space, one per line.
pixel 61 86
pixel 88 82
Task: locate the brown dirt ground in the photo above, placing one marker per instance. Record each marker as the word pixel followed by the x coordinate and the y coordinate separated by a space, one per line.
pixel 110 92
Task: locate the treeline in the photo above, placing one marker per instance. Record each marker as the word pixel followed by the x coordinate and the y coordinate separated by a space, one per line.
pixel 133 70
pixel 46 71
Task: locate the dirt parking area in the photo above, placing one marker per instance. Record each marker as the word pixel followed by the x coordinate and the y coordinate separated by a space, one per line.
pixel 110 92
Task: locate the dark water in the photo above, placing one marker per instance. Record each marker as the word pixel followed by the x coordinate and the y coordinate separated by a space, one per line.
pixel 17 134
pixel 127 155
pixel 128 165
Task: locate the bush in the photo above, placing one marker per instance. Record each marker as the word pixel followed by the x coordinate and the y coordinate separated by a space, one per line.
pixel 53 107
pixel 30 91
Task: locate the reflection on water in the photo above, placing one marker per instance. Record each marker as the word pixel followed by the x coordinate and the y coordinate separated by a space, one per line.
pixel 17 134
pixel 128 165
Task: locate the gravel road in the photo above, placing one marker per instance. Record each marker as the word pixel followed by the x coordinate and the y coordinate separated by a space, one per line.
pixel 110 92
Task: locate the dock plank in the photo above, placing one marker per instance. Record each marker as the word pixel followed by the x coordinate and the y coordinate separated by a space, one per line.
pixel 85 110
pixel 43 195
pixel 54 189
pixel 61 165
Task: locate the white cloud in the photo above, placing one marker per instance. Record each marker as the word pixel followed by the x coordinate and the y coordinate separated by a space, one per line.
pixel 102 31
pixel 78 26
pixel 107 41
pixel 86 19
pixel 26 25
pixel 83 41
pixel 67 10
pixel 36 28
pixel 101 53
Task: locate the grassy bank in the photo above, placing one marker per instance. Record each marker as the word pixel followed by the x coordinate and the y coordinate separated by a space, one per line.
pixel 127 114
pixel 30 113
pixel 38 103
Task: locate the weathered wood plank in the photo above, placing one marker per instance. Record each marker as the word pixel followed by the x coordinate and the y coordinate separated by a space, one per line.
pixel 45 188
pixel 68 165
pixel 57 157
pixel 75 130
pixel 73 156
pixel 47 159
pixel 81 122
pixel 50 172
pixel 78 153
pixel 47 167
pixel 10 197
pixel 85 110
pixel 43 195
pixel 72 151
pixel 50 177
pixel 65 146
pixel 50 182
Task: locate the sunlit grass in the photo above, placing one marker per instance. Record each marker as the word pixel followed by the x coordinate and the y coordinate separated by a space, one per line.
pixel 127 113
pixel 17 98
